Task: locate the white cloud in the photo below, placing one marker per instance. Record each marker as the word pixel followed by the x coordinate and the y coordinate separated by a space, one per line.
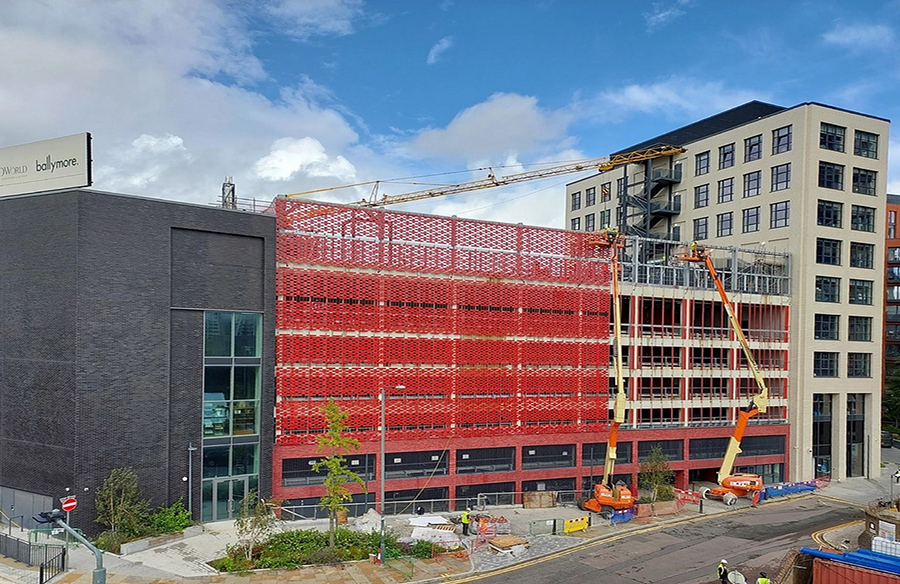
pixel 306 18
pixel 861 37
pixel 167 89
pixel 506 124
pixel 663 13
pixel 673 97
pixel 290 156
pixel 438 49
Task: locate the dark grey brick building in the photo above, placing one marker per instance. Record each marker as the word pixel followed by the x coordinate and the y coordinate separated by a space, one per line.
pixel 131 329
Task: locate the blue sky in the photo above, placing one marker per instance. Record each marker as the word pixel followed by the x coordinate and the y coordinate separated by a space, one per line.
pixel 289 96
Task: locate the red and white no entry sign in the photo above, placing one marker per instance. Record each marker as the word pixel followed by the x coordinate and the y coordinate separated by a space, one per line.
pixel 69 504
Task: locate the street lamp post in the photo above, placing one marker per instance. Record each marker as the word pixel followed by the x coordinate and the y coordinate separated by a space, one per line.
pixel 383 432
pixel 190 478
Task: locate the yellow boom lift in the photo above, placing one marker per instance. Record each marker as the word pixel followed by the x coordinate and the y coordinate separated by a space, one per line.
pixel 607 497
pixel 733 485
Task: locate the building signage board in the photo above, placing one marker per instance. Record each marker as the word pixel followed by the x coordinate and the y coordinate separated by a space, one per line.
pixel 60 163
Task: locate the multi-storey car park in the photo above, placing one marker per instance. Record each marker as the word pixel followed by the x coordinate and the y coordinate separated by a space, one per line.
pixel 809 180
pixel 490 342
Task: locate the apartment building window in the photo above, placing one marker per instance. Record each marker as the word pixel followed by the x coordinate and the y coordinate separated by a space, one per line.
pixel 828 251
pixel 753 148
pixel 752 183
pixel 828 289
pixel 893 294
pixel 861 291
pixel 676 233
pixel 831 176
pixel 892 224
pixel 590 196
pixel 724 224
pixel 576 201
pixel 726 190
pixel 860 328
pixel 701 228
pixel 893 273
pixel 701 196
pixel 830 214
pixel 576 224
pixel 621 187
pixel 780 214
pixel 701 162
pixel 726 156
pixel 781 140
pixel 827 327
pixel 781 177
pixel 859 365
pixel 862 218
pixel 751 219
pixel 604 218
pixel 862 255
pixel 865 144
pixel 605 192
pixel 825 364
pixel 831 137
pixel 893 254
pixel 589 222
pixel 864 181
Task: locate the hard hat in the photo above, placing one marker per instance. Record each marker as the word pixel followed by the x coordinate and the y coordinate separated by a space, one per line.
pixel 468 508
pixel 763 574
pixel 724 562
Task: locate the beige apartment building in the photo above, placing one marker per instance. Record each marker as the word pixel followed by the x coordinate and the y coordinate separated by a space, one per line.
pixel 802 190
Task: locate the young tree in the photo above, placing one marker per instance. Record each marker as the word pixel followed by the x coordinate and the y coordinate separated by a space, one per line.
pixel 655 472
pixel 253 523
pixel 120 505
pixel 339 475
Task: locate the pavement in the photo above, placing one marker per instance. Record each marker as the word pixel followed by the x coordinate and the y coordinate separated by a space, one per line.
pixel 186 560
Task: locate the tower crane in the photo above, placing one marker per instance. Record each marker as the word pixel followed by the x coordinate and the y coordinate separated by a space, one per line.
pixel 733 485
pixel 599 164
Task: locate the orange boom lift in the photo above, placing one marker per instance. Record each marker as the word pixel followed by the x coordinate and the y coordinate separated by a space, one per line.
pixel 733 485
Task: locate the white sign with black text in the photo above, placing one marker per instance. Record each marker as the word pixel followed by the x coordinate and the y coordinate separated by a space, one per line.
pixel 48 165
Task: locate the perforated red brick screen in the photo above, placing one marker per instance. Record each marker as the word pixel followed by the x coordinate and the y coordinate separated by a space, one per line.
pixel 490 328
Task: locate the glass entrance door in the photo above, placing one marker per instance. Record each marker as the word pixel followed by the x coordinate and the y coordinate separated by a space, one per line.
pixel 228 494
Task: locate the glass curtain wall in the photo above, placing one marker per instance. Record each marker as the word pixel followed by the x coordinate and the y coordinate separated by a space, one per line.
pixel 822 407
pixel 856 434
pixel 231 386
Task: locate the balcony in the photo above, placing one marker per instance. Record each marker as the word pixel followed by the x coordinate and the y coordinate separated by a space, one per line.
pixel 669 176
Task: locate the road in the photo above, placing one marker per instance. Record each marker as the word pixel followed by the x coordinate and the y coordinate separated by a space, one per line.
pixel 752 540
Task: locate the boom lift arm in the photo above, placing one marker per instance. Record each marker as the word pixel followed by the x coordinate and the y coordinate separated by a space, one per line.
pixel 607 497
pixel 734 485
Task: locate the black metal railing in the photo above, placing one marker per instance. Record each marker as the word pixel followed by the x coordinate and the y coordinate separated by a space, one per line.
pixel 52 566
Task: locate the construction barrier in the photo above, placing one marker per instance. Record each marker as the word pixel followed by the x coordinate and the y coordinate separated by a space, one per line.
pixel 789 489
pixel 448 549
pixel 622 516
pixel 579 524
pixel 687 496
pixel 493 526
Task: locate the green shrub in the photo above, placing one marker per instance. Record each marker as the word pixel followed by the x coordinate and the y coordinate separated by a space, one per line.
pixel 422 549
pixel 232 563
pixel 172 519
pixel 110 541
pixel 665 493
pixel 325 555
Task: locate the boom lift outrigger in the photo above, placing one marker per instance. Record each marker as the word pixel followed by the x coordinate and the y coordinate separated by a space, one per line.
pixel 733 485
pixel 607 497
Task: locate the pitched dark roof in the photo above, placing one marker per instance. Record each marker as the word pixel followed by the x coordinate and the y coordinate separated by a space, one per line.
pixel 742 114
